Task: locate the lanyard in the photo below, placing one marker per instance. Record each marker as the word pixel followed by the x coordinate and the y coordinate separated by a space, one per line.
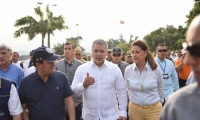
pixel 161 66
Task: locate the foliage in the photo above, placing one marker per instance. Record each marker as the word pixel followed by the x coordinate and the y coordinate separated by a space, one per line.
pixel 170 36
pixel 121 43
pixel 194 12
pixel 58 48
pixel 32 27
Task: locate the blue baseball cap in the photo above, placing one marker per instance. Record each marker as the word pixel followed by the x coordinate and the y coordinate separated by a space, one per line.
pixel 44 54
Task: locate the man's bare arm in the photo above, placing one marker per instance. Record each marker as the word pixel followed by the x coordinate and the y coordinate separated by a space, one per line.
pixel 70 107
pixel 25 115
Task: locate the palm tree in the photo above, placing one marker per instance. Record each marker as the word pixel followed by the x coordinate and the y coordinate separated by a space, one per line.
pixel 55 23
pixel 32 27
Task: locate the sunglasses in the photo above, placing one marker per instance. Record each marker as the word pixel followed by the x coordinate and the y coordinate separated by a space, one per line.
pixel 116 55
pixel 78 54
pixel 194 49
pixel 162 50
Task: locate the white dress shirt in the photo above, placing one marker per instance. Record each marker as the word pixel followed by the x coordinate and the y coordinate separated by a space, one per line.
pixel 31 70
pixel 14 104
pixel 151 82
pixel 100 99
pixel 25 68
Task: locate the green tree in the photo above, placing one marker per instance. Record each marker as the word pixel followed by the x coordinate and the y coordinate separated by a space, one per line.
pixel 75 40
pixel 32 27
pixel 169 36
pixel 112 43
pixel 194 12
pixel 56 23
pixel 125 47
pixel 59 48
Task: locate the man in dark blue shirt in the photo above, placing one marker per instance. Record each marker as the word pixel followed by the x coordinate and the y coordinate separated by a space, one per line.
pixel 45 92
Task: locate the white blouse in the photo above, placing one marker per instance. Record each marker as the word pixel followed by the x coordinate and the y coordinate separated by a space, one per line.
pixel 145 88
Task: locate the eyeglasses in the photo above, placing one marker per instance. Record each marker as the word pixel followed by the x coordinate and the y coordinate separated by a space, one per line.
pixel 116 55
pixel 77 54
pixel 194 49
pixel 162 50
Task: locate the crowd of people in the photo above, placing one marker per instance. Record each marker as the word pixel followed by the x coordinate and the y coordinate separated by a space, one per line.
pixel 111 85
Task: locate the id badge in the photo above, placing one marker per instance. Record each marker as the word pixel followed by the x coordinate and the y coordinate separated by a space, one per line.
pixel 165 76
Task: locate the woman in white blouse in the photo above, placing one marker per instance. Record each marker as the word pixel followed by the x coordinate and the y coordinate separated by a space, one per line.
pixel 144 84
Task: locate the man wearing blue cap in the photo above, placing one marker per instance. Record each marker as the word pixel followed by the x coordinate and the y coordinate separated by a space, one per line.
pixel 45 92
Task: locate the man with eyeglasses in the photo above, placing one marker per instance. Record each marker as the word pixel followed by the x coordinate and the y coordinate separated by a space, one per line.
pixel 168 72
pixel 68 65
pixel 116 59
pixel 184 104
pixel 46 92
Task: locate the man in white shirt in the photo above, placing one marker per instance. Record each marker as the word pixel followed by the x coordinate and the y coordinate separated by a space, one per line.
pixel 9 101
pixel 28 62
pixel 99 81
pixel 15 59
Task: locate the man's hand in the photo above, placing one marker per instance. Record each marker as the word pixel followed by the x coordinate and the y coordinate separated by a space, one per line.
pixel 88 81
pixel 122 118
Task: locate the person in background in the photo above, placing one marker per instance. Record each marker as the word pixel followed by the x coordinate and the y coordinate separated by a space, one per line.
pixel 98 81
pixel 168 72
pixel 84 56
pixel 173 57
pixel 179 56
pixel 28 62
pixel 123 56
pixel 128 58
pixel 184 104
pixel 109 56
pixel 69 66
pixel 89 58
pixel 9 101
pixel 78 54
pixel 182 70
pixel 168 54
pixel 144 84
pixel 15 60
pixel 45 93
pixel 116 59
pixel 8 69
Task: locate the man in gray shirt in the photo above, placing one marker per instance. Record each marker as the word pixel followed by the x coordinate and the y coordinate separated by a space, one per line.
pixel 116 59
pixel 184 104
pixel 69 66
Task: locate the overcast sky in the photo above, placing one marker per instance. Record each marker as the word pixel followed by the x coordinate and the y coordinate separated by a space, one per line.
pixel 96 19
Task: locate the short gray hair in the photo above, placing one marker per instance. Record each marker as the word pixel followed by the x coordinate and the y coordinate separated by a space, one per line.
pixel 100 42
pixel 8 48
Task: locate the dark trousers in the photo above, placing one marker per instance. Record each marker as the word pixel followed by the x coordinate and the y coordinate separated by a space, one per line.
pixel 181 82
pixel 78 110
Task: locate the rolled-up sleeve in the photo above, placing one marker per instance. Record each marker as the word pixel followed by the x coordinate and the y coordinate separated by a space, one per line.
pixel 14 104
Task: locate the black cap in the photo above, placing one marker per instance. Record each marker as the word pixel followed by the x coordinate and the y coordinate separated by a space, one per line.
pixel 31 53
pixel 116 50
pixel 44 54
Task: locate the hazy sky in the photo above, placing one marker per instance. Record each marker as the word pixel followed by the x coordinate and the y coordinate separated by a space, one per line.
pixel 96 19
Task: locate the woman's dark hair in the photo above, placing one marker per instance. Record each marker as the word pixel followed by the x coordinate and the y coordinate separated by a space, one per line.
pixel 143 45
